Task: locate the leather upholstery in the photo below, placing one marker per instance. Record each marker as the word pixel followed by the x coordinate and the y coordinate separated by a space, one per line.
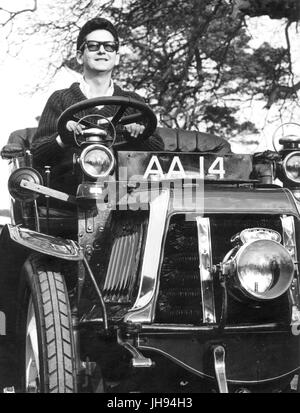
pixel 23 137
pixel 175 140
pixel 12 150
pixel 180 140
pixel 18 142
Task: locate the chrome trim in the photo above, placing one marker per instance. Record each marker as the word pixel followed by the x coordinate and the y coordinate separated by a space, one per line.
pixel 122 267
pixel 36 216
pixel 251 232
pixel 143 308
pixel 245 258
pixel 285 161
pixel 46 244
pixel 220 368
pixel 179 329
pixel 288 235
pixel 94 321
pixel 10 389
pixel 205 265
pixel 138 359
pixel 102 148
pixel 289 242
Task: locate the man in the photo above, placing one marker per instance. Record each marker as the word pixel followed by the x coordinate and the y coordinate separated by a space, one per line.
pixel 98 53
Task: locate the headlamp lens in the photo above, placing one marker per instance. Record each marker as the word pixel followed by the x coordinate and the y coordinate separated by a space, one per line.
pixel 97 161
pixel 292 166
pixel 256 280
pixel 265 269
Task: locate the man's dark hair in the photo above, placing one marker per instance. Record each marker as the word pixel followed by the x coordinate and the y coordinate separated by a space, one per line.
pixel 98 23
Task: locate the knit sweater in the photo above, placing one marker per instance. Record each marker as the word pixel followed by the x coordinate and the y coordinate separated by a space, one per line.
pixel 46 150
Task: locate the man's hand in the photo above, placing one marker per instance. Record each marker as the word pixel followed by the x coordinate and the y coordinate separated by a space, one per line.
pixel 73 126
pixel 135 129
pixel 67 140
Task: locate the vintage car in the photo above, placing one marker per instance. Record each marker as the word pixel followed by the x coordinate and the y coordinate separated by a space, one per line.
pixel 179 272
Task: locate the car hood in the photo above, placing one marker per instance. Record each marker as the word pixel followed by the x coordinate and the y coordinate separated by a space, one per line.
pixel 237 200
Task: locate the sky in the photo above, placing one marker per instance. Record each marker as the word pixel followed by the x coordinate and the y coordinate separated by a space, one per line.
pixel 19 106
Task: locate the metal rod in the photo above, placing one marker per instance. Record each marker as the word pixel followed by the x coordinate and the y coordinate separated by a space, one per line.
pixel 40 189
pixel 220 368
pixel 28 157
pixel 105 322
pixel 75 331
pixel 185 329
pixel 36 216
pixel 47 173
pixel 91 321
pixel 224 311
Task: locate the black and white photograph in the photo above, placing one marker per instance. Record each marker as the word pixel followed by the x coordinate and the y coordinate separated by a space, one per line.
pixel 150 199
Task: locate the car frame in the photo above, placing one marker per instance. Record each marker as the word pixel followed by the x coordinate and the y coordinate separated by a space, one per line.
pixel 160 288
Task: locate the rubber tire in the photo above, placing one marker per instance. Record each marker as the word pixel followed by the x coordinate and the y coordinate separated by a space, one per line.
pixel 42 280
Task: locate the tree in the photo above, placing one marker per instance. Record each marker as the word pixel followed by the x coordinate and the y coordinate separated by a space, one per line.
pixel 191 59
pixel 276 9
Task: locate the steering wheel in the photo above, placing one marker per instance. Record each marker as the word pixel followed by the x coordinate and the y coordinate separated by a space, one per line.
pixel 142 113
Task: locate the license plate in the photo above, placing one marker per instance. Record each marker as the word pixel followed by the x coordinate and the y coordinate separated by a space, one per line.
pixel 183 165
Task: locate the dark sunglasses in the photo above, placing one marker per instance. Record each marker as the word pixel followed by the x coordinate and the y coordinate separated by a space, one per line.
pixel 94 46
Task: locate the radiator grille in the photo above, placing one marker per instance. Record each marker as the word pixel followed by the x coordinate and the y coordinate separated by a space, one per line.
pixel 124 256
pixel 179 299
pixel 179 296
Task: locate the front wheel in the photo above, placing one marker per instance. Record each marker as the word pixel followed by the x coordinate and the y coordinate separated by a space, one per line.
pixel 47 361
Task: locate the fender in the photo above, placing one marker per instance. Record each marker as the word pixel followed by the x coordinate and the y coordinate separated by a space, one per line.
pixel 46 244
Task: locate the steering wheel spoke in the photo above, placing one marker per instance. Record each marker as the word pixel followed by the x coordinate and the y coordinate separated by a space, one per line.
pixel 118 115
pixel 84 122
pixel 136 117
